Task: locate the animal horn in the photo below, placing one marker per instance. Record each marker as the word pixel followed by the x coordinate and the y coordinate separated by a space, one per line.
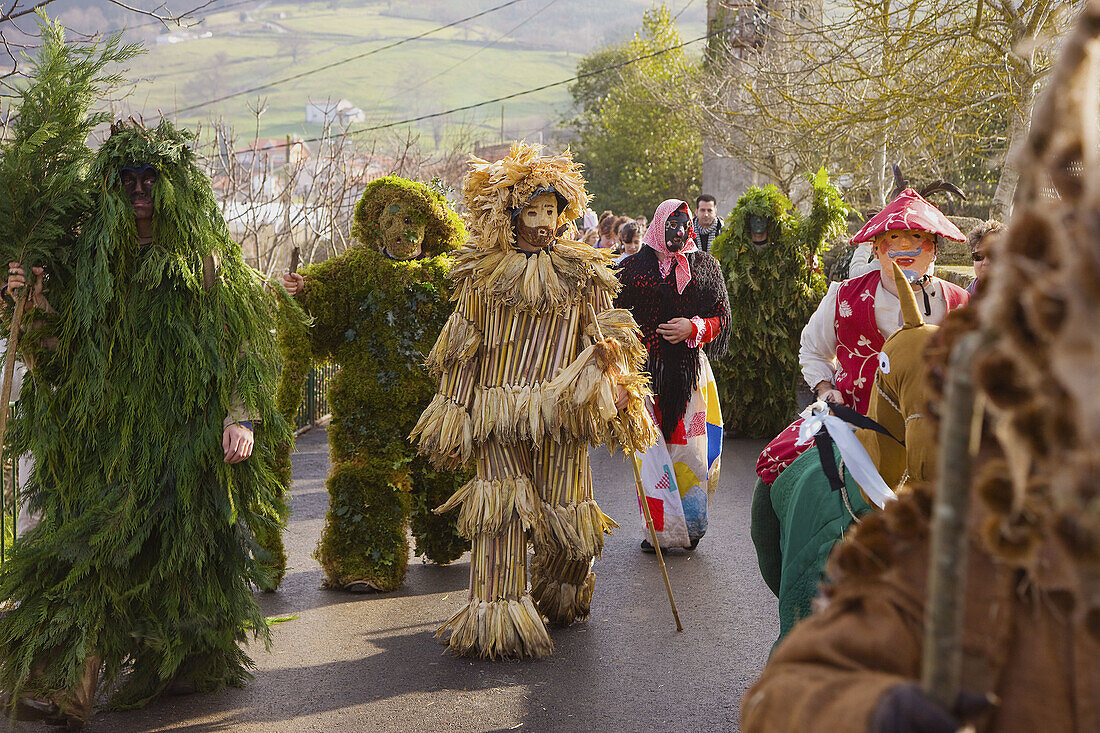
pixel 900 184
pixel 945 187
pixel 909 311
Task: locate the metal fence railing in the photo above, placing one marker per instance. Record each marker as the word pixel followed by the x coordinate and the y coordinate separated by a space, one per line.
pixel 314 397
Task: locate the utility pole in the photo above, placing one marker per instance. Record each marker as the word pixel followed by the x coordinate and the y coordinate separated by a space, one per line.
pixel 732 29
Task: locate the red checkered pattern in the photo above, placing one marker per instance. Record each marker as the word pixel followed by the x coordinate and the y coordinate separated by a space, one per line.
pixel 698 425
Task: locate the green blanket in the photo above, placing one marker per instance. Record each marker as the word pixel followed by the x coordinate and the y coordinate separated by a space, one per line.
pixel 795 524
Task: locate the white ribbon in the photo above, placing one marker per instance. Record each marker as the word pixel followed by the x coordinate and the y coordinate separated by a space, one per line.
pixel 854 455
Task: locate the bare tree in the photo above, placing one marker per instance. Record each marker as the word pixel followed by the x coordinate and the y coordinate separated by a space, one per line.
pixel 280 194
pixel 945 85
pixel 19 27
pixel 294 45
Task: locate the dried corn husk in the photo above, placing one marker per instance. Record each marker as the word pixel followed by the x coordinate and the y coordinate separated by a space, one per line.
pixel 573 530
pixel 489 505
pixel 550 281
pixel 457 343
pixel 493 629
pixel 561 596
pixel 511 413
pixel 445 433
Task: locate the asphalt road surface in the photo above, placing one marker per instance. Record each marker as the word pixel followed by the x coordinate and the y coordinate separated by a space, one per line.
pixel 370 663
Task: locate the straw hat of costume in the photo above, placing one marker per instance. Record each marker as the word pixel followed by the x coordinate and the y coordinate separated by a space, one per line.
pixel 546 281
pixel 493 191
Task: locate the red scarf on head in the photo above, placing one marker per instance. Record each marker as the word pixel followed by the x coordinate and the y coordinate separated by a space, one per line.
pixel 655 239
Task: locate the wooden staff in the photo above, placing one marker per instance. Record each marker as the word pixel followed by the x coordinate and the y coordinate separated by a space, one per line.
pixel 941 663
pixel 636 462
pixel 295 258
pixel 9 358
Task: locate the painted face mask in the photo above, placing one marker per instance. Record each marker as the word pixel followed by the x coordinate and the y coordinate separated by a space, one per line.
pixel 676 230
pixel 137 181
pixel 536 222
pixel 914 251
pixel 758 229
pixel 402 233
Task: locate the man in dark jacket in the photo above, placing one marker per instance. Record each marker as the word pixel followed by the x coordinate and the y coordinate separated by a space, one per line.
pixel 707 224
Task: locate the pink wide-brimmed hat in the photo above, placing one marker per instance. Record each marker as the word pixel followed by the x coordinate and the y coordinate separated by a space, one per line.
pixel 909 211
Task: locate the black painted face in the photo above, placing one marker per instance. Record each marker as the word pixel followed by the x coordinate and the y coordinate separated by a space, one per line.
pixel 676 230
pixel 758 229
pixel 137 182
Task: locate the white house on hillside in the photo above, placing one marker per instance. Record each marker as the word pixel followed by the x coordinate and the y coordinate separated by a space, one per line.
pixel 340 111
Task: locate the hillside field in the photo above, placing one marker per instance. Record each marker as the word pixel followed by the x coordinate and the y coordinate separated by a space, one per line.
pixel 252 44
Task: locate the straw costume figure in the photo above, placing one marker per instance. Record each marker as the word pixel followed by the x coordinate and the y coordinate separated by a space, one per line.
pixel 767 252
pixel 535 365
pixel 150 416
pixel 1029 648
pixel 377 309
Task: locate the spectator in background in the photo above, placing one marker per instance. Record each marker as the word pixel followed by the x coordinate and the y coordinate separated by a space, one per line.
pixel 591 238
pixel 619 224
pixel 707 224
pixel 630 240
pixel 606 229
pixel 981 239
pixel 643 222
pixel 588 221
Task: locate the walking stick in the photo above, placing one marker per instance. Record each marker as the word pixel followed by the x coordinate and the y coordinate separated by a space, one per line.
pixel 960 432
pixel 295 258
pixel 653 535
pixel 645 505
pixel 9 359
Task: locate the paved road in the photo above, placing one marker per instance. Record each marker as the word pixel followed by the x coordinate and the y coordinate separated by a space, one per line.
pixel 355 662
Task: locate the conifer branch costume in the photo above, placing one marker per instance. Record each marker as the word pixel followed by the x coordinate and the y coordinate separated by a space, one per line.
pixel 773 288
pixel 525 366
pixel 144 560
pixel 377 317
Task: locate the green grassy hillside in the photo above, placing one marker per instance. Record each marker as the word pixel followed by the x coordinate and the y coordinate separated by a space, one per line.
pixel 257 43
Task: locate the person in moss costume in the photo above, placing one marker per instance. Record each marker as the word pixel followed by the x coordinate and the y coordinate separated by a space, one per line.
pixel 767 251
pixel 377 310
pixel 151 417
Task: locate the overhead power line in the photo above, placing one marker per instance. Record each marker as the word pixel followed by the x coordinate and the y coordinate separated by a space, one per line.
pixel 348 60
pixel 495 41
pixel 525 92
pixel 514 95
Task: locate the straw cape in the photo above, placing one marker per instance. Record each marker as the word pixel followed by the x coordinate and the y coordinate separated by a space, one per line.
pixel 525 368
